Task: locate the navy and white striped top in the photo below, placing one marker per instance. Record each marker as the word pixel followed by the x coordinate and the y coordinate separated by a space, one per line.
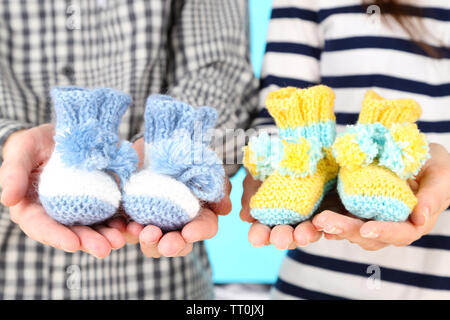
pixel 335 42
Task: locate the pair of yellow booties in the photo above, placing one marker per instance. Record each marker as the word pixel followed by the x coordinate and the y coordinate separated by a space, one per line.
pixel 370 161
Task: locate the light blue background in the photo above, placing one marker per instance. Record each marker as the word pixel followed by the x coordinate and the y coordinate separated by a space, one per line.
pixel 233 258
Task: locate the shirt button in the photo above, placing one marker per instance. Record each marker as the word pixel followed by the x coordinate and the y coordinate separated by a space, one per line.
pixel 68 71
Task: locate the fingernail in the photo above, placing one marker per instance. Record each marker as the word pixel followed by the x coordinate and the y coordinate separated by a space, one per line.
pixel 65 248
pixel 148 242
pixel 333 230
pixel 302 244
pixel 370 235
pixel 318 227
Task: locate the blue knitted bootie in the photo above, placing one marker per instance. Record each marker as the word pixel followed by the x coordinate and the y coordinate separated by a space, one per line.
pixel 179 170
pixel 77 185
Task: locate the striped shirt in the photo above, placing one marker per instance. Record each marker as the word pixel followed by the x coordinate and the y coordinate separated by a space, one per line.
pixel 193 50
pixel 335 42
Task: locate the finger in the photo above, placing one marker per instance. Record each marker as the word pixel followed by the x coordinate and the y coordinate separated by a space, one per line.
pixel 245 215
pixel 250 187
pixel 338 227
pixel 414 185
pixel 15 171
pixel 433 195
pixel 282 236
pixel 259 235
pixel 114 236
pixel 223 207
pixel 37 225
pixel 92 241
pixel 133 231
pixel 306 233
pixel 187 249
pixel 203 227
pixel 171 244
pixel 138 146
pixel 117 223
pixel 149 238
pixel 396 233
pixel 338 224
pixel 329 236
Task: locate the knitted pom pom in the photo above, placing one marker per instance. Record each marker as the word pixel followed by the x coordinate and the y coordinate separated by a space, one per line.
pixel 179 169
pixel 191 163
pixel 74 186
pixel 262 154
pixel 405 150
pixel 300 157
pixel 359 145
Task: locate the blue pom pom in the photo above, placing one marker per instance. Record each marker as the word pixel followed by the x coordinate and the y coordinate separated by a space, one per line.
pixel 192 163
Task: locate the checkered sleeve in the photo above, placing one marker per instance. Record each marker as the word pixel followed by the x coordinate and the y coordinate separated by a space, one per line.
pixel 210 63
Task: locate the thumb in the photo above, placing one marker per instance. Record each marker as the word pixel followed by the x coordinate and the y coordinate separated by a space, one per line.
pixel 250 187
pixel 16 167
pixel 433 196
pixel 224 206
pixel 139 146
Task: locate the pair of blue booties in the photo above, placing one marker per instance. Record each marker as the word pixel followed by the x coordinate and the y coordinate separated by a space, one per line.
pixel 91 172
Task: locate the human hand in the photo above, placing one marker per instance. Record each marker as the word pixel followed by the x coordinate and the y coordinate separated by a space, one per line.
pixel 281 236
pixel 204 226
pixel 432 188
pixel 25 153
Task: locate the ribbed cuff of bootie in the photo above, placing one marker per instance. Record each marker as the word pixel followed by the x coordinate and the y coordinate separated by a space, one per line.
pixel 87 122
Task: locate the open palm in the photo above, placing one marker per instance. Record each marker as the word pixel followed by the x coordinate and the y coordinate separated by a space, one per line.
pixel 24 155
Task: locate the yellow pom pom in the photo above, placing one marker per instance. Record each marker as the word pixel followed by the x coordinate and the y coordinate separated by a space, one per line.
pixel 414 146
pixel 295 158
pixel 348 152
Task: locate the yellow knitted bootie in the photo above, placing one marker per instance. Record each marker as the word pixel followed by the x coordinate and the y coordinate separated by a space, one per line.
pixel 297 167
pixel 376 157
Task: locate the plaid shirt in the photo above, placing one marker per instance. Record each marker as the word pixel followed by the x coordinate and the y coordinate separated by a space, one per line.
pixel 194 50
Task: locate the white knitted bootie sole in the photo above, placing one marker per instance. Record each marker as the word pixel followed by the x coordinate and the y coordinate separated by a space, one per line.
pixel 156 199
pixel 73 196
